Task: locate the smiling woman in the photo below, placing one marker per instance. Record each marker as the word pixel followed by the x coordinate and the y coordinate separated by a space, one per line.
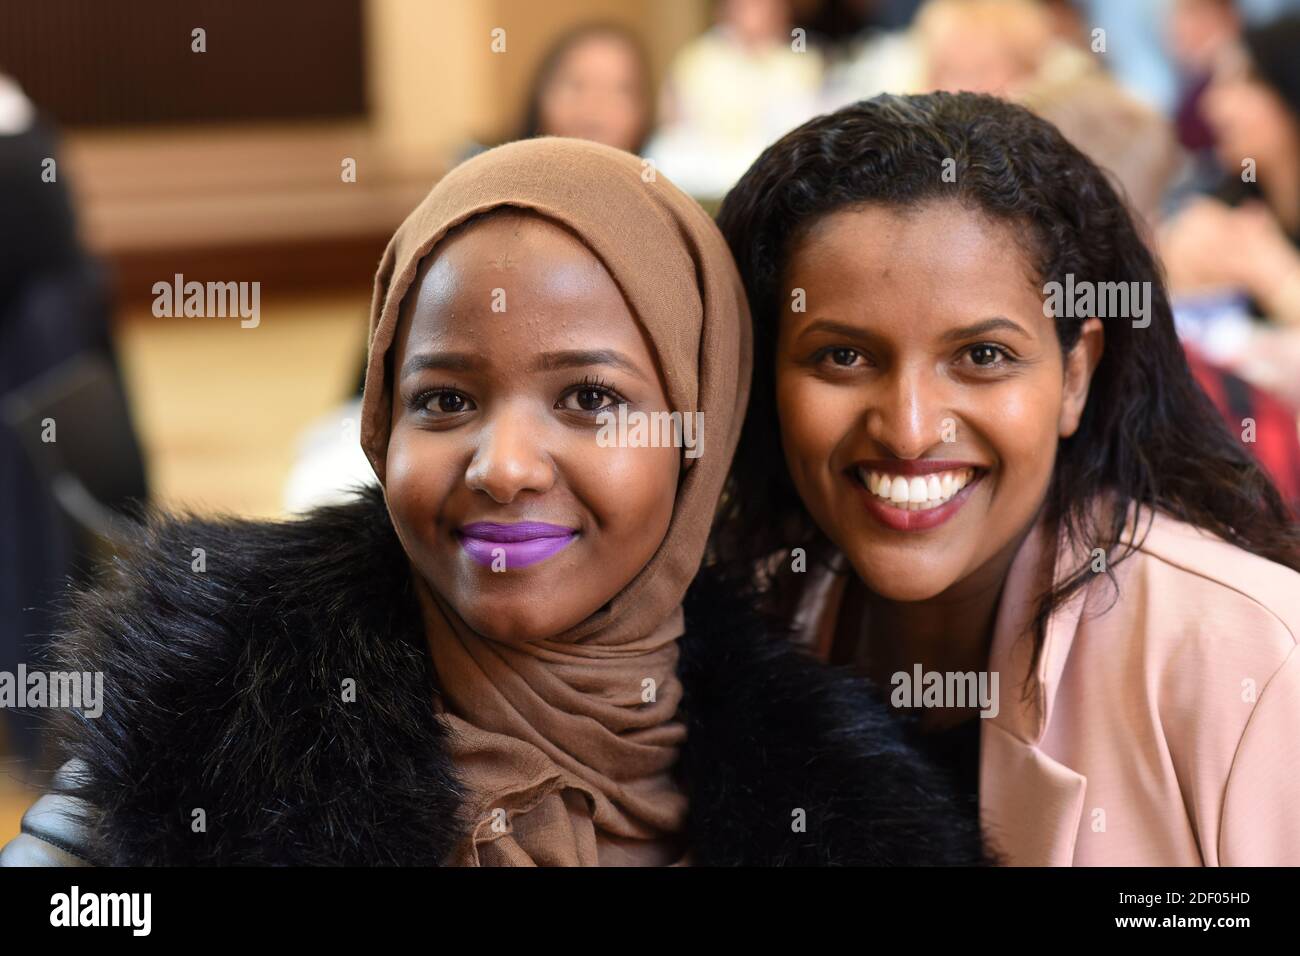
pixel 942 368
pixel 502 496
pixel 495 417
pixel 977 483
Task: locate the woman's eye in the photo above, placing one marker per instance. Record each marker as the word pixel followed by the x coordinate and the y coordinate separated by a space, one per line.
pixel 986 355
pixel 842 356
pixel 445 403
pixel 588 399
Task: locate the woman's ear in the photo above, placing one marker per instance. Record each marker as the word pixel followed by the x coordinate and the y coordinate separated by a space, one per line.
pixel 1080 363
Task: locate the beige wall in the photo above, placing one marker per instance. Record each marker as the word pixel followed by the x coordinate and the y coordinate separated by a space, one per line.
pixel 435 81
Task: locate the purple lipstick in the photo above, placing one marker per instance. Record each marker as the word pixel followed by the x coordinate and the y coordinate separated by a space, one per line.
pixel 513 546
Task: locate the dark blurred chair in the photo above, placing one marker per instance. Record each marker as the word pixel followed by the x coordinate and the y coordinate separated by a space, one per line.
pixel 93 465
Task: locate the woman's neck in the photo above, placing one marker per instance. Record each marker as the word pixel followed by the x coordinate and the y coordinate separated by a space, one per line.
pixel 949 633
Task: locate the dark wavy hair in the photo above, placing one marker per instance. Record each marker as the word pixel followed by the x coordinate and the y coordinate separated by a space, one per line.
pixel 1148 433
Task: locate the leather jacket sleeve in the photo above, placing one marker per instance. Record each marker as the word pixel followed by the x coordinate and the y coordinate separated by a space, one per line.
pixel 52 832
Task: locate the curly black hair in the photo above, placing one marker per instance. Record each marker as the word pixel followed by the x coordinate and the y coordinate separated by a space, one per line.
pixel 1148 433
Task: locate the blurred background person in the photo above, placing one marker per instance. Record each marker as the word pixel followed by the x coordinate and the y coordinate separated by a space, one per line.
pixel 983 46
pixel 994 46
pixel 68 452
pixel 731 91
pixel 1117 131
pixel 1253 107
pixel 1198 32
pixel 1137 147
pixel 1233 257
pixel 594 83
pixel 39 230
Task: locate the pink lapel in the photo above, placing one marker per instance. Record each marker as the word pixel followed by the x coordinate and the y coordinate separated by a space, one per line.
pixel 1030 804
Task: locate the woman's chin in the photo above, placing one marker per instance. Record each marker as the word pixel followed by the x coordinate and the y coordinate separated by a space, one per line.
pixel 893 580
pixel 517 622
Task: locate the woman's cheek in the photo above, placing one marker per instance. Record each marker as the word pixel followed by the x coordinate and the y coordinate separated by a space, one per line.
pixel 420 476
pixel 812 423
pixel 1022 428
pixel 628 491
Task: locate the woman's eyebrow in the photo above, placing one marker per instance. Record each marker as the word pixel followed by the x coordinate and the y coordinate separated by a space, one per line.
pixel 446 361
pixel 577 358
pixel 546 362
pixel 835 328
pixel 996 324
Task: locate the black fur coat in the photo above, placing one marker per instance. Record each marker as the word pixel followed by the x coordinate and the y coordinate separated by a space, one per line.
pixel 223 694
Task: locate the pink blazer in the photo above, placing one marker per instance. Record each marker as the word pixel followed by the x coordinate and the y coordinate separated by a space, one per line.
pixel 1162 728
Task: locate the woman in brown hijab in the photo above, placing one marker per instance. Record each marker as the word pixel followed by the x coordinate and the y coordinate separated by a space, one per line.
pixel 602 287
pixel 533 669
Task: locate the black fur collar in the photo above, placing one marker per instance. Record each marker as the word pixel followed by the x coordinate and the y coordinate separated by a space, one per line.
pixel 226 737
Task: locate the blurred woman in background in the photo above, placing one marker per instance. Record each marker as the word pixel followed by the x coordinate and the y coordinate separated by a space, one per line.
pixel 593 83
pixel 1247 236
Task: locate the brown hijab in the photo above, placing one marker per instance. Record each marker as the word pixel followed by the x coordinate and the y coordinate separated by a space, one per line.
pixel 562 759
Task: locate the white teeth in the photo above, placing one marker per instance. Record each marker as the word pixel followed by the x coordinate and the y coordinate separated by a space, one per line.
pixel 917 493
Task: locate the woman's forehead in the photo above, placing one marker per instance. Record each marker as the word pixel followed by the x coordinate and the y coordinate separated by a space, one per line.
pixel 505 296
pixel 509 270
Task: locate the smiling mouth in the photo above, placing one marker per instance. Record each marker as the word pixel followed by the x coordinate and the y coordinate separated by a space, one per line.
pixel 915 495
pixel 509 547
pixel 916 492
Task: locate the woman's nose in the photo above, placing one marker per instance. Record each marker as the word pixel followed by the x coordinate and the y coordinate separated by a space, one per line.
pixel 907 413
pixel 509 459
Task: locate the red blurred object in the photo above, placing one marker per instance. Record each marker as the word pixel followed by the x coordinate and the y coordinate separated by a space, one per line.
pixel 1277 445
